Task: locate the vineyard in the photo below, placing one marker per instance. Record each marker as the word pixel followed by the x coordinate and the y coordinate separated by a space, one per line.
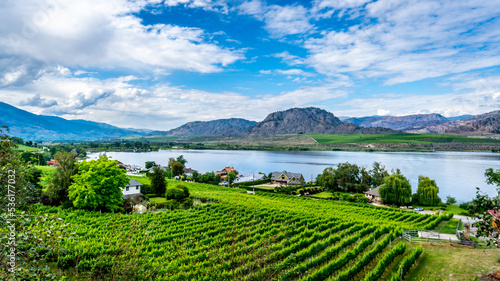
pixel 237 236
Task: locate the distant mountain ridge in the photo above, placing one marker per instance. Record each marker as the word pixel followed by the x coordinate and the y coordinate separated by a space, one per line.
pixel 308 120
pixel 31 126
pixel 220 127
pixel 400 123
pixel 477 124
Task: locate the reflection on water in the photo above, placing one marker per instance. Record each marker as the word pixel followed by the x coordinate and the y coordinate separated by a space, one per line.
pixel 456 173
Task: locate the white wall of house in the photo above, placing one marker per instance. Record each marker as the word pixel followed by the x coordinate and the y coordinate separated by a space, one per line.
pixel 131 190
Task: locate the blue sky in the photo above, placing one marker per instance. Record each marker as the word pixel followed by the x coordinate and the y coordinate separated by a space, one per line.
pixel 159 64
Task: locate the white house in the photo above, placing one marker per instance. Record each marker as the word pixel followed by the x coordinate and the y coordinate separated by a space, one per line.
pixel 133 188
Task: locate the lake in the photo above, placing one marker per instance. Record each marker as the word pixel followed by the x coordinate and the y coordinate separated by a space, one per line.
pixel 456 173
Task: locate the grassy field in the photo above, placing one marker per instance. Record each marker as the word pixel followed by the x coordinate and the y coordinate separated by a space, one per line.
pixel 158 199
pixel 439 261
pixel 46 168
pixel 23 148
pixel 143 180
pixel 397 138
pixel 449 227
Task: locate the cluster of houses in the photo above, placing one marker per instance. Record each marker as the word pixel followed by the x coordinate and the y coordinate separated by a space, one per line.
pixel 278 178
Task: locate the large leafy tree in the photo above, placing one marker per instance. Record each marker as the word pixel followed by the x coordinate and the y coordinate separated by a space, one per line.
pixel 177 169
pixel 230 178
pixel 61 180
pixel 395 190
pixel 378 173
pixel 181 160
pixel 346 177
pixel 98 185
pixel 427 192
pixel 487 209
pixel 158 180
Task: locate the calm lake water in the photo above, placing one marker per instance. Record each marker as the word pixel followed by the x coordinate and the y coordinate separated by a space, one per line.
pixel 456 173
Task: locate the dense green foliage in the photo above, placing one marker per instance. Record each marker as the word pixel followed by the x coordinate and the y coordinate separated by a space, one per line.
pixel 61 179
pixel 395 190
pixel 351 177
pixel 158 180
pixel 489 224
pixel 97 185
pixel 427 192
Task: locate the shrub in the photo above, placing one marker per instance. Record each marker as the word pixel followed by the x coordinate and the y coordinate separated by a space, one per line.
pixel 187 203
pixel 203 200
pixel 147 189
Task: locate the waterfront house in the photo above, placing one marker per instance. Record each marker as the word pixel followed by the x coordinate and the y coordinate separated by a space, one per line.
pixel 285 178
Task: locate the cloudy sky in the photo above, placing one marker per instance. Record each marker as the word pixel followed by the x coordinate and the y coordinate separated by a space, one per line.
pixel 158 64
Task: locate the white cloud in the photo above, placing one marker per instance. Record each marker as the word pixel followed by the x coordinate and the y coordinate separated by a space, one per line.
pixel 279 20
pixel 407 41
pixel 289 58
pixel 122 102
pixel 295 72
pixel 104 34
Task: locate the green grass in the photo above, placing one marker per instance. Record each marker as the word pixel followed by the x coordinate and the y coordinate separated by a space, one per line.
pixel 46 169
pixel 157 200
pixel 455 209
pixel 449 227
pixel 323 195
pixel 143 180
pixel 397 138
pixel 23 148
pixel 438 262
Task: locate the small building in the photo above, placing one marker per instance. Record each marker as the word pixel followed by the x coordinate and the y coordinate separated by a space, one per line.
pixel 224 172
pixel 189 172
pixel 285 178
pixel 52 163
pixel 243 177
pixel 133 188
pixel 373 195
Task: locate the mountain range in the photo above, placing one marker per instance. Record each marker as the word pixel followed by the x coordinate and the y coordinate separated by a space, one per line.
pixel 30 126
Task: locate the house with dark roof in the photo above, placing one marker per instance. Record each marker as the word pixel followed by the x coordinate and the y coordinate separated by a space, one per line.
pixel 133 188
pixel 285 178
pixel 189 172
pixel 373 195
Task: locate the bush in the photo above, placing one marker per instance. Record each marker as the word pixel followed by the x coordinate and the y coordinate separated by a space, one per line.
pixel 203 200
pixel 147 189
pixel 187 203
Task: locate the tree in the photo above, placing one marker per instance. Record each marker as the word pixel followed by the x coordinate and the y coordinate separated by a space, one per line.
pixel 427 192
pixel 181 160
pixel 150 164
pixel 230 178
pixel 61 180
pixel 158 180
pixel 14 174
pixel 378 173
pixel 196 176
pixel 395 190
pixel 487 209
pixel 177 169
pixel 451 200
pixel 346 177
pixel 180 194
pixel 97 185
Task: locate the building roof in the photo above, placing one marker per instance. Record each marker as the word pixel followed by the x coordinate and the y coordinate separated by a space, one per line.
pixel 373 192
pixel 188 170
pixel 134 183
pixel 276 175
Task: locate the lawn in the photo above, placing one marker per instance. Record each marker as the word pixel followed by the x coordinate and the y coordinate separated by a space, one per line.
pixel 455 209
pixel 397 138
pixel 438 262
pixel 157 200
pixel 143 180
pixel 449 227
pixel 23 148
pixel 324 195
pixel 46 169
